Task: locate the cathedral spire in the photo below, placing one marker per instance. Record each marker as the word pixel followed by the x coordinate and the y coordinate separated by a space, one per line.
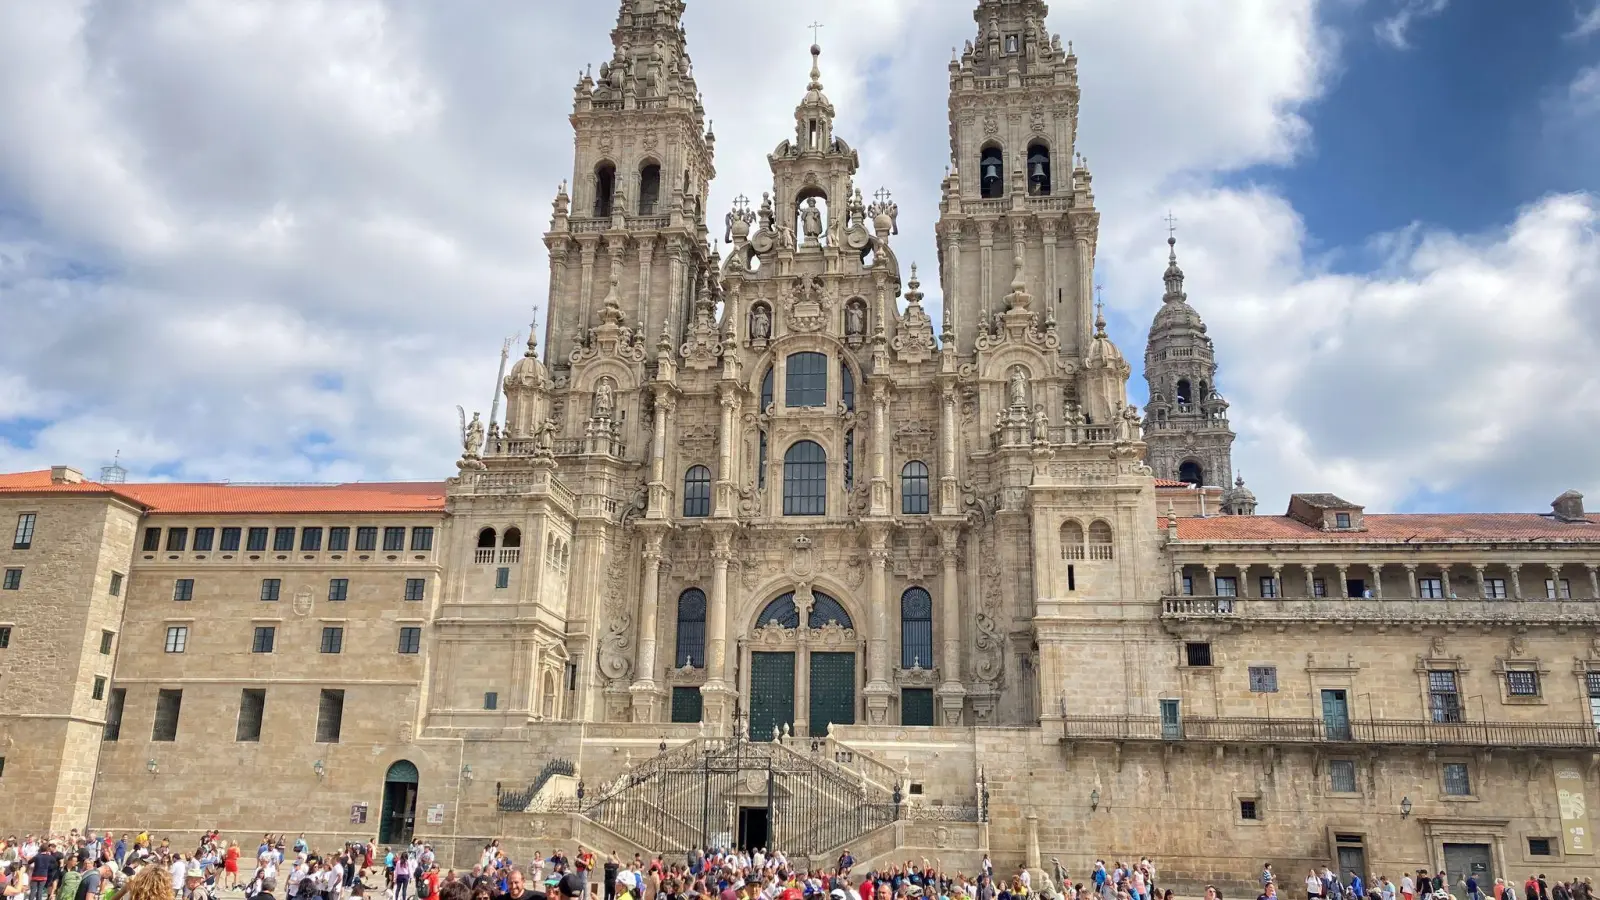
pixel 814 116
pixel 1174 275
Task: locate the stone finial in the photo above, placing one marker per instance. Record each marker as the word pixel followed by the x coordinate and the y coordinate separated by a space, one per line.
pixel 1019 298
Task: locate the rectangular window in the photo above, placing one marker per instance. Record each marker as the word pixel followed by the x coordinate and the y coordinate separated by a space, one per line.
pixel 119 696
pixel 1263 679
pixel 177 540
pixel 283 539
pixel 310 539
pixel 1457 783
pixel 422 538
pixel 1557 590
pixel 916 706
pixel 367 538
pixel 805 380
pixel 1539 846
pixel 1494 588
pixel 1249 810
pixel 1444 700
pixel 1341 520
pixel 203 539
pixel 257 540
pixel 1188 586
pixel 107 639
pixel 1319 588
pixel 1522 683
pixel 12 580
pixel 1197 653
pixel 502 578
pixel 115 589
pixel 332 639
pixel 686 704
pixel 1269 586
pixel 265 636
pixel 152 540
pixel 416 588
pixel 339 539
pixel 1342 776
pixel 338 588
pixel 169 704
pixel 183 589
pixel 98 692
pixel 5 637
pixel 410 639
pixel 491 700
pixel 394 539
pixel 330 716
pixel 230 540
pixel 1431 588
pixel 270 588
pixel 1227 586
pixel 177 638
pixel 252 707
pixel 24 537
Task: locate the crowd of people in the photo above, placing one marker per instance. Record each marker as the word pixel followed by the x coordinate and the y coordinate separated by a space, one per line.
pixel 1426 885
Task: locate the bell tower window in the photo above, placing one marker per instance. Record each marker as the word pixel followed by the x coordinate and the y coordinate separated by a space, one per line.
pixel 811 135
pixel 649 189
pixel 1183 392
pixel 1038 170
pixel 991 172
pixel 605 187
pixel 1189 473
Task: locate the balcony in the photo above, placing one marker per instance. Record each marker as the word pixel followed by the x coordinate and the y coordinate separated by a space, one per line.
pixel 1254 610
pixel 1385 732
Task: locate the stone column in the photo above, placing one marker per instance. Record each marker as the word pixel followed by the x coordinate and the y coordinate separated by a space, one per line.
pixel 719 689
pixel 1444 580
pixel 877 691
pixel 951 692
pixel 949 489
pixel 1594 581
pixel 1516 580
pixel 586 286
pixel 1211 579
pixel 952 258
pixel 880 449
pixel 1555 583
pixel 1377 580
pixel 986 263
pixel 646 698
pixel 1311 579
pixel 675 286
pixel 1048 229
pixel 646 250
pixel 1411 579
pixel 1277 581
pixel 728 398
pixel 659 489
pixel 1085 292
pixel 1344 581
pixel 1483 588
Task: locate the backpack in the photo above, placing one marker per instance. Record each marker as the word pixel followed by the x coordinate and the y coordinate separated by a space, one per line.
pixel 424 889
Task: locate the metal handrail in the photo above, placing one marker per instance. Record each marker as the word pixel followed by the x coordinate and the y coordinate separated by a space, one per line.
pixel 1409 732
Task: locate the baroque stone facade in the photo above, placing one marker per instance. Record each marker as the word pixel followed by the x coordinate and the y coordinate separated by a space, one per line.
pixel 753 492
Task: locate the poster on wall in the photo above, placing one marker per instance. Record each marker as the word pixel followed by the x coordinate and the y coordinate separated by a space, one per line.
pixel 436 814
pixel 358 814
pixel 1574 808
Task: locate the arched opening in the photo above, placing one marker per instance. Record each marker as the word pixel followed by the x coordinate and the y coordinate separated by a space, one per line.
pixel 1189 473
pixel 691 640
pixel 1100 545
pixel 486 538
pixel 1185 396
pixel 805 380
pixel 605 189
pixel 832 680
pixel 399 803
pixel 805 480
pixel 649 189
pixel 1205 392
pixel 811 217
pixel 991 172
pixel 914 488
pixel 813 135
pixel 512 538
pixel 766 389
pixel 1038 169
pixel 697 492
pixel 916 629
pixel 1071 540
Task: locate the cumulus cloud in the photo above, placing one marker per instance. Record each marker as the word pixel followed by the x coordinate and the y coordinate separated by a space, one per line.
pixel 1588 23
pixel 1394 29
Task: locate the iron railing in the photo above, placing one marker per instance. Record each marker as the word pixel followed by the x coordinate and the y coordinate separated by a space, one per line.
pixel 1394 732
pixel 517 801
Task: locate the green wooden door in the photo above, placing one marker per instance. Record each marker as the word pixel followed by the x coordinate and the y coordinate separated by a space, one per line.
pixel 1336 715
pixel 771 693
pixel 833 691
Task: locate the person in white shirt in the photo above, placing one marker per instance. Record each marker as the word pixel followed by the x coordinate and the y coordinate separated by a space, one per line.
pixel 178 869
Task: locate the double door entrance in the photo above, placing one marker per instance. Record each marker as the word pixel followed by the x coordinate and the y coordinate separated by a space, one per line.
pixel 826 688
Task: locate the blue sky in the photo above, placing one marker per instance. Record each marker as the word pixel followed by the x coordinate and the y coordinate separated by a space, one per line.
pixel 281 241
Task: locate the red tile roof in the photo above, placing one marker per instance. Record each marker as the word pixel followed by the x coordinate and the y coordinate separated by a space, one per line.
pixel 359 497
pixel 1398 528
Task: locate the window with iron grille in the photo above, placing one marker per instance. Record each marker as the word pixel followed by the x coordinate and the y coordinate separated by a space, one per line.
pixel 1263 679
pixel 256 540
pixel 252 708
pixel 270 588
pixel 1457 782
pixel 177 539
pixel 394 539
pixel 1539 846
pixel 1342 776
pixel 183 589
pixel 330 715
pixel 266 635
pixel 410 640
pixel 1249 810
pixel 367 537
pixel 169 704
pixel 914 488
pixel 310 539
pixel 697 492
pixel 1494 588
pixel 1444 700
pixel 177 638
pixel 805 480
pixel 1522 683
pixel 113 729
pixel 23 539
pixel 203 539
pixel 283 539
pixel 338 589
pixel 422 538
pixel 1197 653
pixel 1227 586
pixel 416 588
pixel 805 380
pixel 332 639
pixel 115 588
pixel 339 538
pixel 691 638
pixel 1431 588
pixel 916 629
pixel 230 540
pixel 152 540
pixel 12 580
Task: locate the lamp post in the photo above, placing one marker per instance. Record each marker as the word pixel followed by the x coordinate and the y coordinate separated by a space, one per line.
pixel 319 768
pixel 151 766
pixel 466 774
pixel 1094 800
pixel 1405 808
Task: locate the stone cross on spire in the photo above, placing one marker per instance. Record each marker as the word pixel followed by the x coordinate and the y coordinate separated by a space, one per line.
pixel 814 26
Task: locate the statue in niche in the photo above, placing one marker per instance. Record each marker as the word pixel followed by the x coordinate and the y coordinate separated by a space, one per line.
pixel 604 399
pixel 811 222
pixel 855 319
pixel 760 323
pixel 1019 387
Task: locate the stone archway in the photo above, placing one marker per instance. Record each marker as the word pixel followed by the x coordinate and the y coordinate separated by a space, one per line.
pixel 804 665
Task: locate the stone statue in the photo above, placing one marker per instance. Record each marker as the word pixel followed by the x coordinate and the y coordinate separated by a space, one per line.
pixel 760 323
pixel 855 320
pixel 811 222
pixel 785 237
pixel 1074 413
pixel 1019 387
pixel 472 437
pixel 727 236
pixel 603 399
pixel 1041 424
pixel 546 438
pixel 494 435
pixel 1130 418
pixel 766 212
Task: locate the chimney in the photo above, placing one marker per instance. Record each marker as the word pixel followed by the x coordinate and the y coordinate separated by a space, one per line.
pixel 69 475
pixel 1569 507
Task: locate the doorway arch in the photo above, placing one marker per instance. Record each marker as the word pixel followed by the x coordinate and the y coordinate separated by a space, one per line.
pixel 803 664
pixel 399 803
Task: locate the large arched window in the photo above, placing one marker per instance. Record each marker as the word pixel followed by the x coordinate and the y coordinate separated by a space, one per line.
pixel 691 649
pixel 916 629
pixel 697 492
pixel 1100 544
pixel 605 189
pixel 781 612
pixel 1189 472
pixel 766 390
pixel 1071 539
pixel 805 480
pixel 914 488
pixel 512 538
pixel 992 172
pixel 649 189
pixel 806 380
pixel 486 537
pixel 827 611
pixel 1038 170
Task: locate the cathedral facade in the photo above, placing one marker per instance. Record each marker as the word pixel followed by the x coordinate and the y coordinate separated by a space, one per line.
pixel 757 554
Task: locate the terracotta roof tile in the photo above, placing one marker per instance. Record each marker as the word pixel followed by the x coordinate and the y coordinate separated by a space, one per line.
pixel 360 497
pixel 39 483
pixel 1397 527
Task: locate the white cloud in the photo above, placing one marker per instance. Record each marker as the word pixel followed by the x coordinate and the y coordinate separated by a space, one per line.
pixel 281 240
pixel 1394 29
pixel 1588 23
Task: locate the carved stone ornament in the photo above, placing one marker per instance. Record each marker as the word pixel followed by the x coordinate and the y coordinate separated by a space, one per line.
pixel 773 635
pixel 916 677
pixel 833 636
pixel 809 305
pixel 802 558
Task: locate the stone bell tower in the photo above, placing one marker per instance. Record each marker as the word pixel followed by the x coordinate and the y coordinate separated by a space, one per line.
pixel 633 221
pixel 1013 190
